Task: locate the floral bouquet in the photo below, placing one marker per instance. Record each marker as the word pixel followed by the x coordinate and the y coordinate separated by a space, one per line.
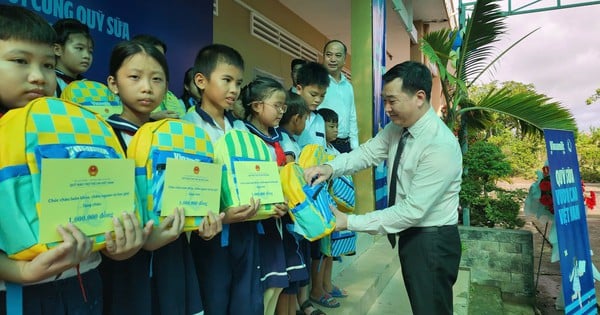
pixel 546 190
pixel 588 197
pixel 539 199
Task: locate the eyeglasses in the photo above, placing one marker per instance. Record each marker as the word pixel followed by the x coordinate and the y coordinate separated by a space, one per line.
pixel 278 106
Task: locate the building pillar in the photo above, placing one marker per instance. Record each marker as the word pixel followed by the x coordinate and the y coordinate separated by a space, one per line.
pixel 362 81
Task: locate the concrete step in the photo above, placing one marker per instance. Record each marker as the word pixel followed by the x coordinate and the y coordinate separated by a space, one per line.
pixel 375 285
pixel 365 277
pixel 394 299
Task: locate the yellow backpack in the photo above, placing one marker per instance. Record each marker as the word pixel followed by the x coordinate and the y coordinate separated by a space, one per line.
pixel 93 95
pixel 309 205
pixel 46 127
pixel 150 147
pixel 234 146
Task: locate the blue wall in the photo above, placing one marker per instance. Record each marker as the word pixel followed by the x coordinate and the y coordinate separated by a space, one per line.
pixel 184 25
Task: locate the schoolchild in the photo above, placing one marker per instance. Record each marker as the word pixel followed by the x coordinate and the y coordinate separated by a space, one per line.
pixel 312 83
pixel 64 279
pixel 325 272
pixel 160 279
pixel 292 124
pixel 295 65
pixel 74 52
pixel 228 273
pixel 191 94
pixel 165 109
pixel 313 80
pixel 264 104
pixel 331 129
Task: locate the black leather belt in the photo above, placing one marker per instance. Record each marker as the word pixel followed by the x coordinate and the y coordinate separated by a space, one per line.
pixel 426 229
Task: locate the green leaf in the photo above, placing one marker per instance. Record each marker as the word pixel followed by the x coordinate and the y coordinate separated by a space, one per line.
pixel 532 110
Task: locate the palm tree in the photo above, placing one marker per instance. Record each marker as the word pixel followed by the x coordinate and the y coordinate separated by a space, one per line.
pixel 532 112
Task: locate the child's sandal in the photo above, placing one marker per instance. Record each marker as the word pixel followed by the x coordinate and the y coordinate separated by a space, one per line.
pixel 308 304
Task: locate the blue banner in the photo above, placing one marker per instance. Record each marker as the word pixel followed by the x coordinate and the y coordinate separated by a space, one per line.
pixel 185 26
pixel 571 224
pixel 379 117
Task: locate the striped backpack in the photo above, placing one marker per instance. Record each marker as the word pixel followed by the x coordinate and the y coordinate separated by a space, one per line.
pixel 234 146
pixel 309 205
pixel 150 147
pixel 340 188
pixel 46 127
pixel 342 191
pixel 94 96
pixel 339 243
pixel 171 102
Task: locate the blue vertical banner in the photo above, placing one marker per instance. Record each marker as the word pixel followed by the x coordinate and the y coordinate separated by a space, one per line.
pixel 185 26
pixel 571 224
pixel 379 117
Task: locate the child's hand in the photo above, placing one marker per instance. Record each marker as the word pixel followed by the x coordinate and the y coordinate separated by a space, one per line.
pixel 129 237
pixel 211 225
pixel 241 213
pixel 74 248
pixel 281 209
pixel 167 231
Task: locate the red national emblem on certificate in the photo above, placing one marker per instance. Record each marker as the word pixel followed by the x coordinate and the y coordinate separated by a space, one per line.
pixel 196 170
pixel 257 167
pixel 93 170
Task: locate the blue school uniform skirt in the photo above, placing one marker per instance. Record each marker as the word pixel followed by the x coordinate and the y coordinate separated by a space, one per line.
pixel 229 276
pixel 273 264
pixel 297 258
pixel 65 296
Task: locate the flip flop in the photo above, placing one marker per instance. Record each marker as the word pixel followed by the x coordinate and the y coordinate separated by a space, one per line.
pixel 338 293
pixel 326 300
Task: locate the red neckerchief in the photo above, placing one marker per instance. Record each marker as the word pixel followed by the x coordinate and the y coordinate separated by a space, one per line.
pixel 279 153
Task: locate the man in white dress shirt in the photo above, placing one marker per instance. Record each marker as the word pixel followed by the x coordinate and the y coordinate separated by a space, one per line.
pixel 340 96
pixel 423 209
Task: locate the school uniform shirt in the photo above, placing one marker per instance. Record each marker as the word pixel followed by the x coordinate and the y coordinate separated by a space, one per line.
pixel 203 120
pixel 314 131
pixel 62 80
pixel 428 177
pixel 289 144
pixel 330 149
pixel 162 281
pixel 340 98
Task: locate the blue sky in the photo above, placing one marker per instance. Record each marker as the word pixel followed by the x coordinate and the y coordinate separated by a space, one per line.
pixel 561 59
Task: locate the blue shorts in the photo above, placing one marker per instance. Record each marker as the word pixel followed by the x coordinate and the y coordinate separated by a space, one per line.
pixel 229 277
pixel 175 288
pixel 171 287
pixel 126 284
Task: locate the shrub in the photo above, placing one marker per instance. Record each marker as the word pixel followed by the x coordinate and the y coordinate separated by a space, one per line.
pixel 489 205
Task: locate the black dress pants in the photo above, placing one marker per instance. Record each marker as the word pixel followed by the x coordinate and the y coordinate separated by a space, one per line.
pixel 430 258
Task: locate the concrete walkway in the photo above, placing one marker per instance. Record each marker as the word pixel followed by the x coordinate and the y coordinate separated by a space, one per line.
pixel 375 286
